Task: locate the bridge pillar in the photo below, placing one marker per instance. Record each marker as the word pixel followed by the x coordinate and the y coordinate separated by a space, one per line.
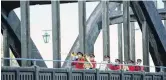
pixel 145 43
pixel 120 52
pixel 132 41
pixel 25 33
pixel 126 25
pixel 56 33
pixel 105 26
pixel 82 25
pixel 6 52
pixel 164 23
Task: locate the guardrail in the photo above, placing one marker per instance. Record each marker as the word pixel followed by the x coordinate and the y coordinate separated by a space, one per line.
pixel 162 68
pixel 38 73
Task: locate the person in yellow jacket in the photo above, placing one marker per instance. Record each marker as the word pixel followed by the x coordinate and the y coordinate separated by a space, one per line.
pixel 73 57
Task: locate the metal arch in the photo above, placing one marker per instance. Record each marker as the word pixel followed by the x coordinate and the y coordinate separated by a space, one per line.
pixel 115 17
pixel 92 29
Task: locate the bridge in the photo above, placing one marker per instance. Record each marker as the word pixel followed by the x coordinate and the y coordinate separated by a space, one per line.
pixel 16 36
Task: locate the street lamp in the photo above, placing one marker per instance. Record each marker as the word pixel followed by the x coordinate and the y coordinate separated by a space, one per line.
pixel 46 36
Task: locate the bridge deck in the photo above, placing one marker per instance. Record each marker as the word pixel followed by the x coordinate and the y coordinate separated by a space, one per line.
pixel 36 73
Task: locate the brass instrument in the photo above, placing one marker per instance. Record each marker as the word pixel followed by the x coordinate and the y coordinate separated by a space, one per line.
pixel 88 63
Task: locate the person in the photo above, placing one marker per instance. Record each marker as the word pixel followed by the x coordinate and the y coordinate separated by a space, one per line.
pixel 131 65
pixel 80 61
pixel 105 65
pixel 87 64
pixel 116 66
pixel 92 60
pixel 74 56
pixel 138 66
pixel 125 67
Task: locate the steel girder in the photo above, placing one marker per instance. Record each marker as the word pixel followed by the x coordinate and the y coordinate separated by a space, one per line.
pixel 16 4
pixel 117 16
pixel 56 38
pixel 145 10
pixel 13 42
pixel 13 24
pixel 105 29
pixel 93 26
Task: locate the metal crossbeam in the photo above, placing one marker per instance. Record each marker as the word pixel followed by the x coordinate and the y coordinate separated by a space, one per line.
pixel 117 16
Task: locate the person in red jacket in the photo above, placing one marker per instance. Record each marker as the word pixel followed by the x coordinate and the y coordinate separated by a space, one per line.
pixel 80 61
pixel 139 67
pixel 116 66
pixel 131 65
pixel 92 60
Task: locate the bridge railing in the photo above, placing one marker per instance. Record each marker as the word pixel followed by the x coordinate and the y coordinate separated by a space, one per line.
pixel 161 68
pixel 38 73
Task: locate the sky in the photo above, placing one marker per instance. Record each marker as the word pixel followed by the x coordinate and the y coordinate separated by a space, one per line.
pixel 40 19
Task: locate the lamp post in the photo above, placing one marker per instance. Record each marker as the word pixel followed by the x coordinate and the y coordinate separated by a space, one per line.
pixel 46 36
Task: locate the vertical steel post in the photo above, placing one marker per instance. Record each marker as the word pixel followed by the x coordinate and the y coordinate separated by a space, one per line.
pixel 145 45
pixel 126 25
pixel 25 32
pixel 155 3
pixel 56 33
pixel 6 47
pixel 105 27
pixel 82 25
pixel 36 72
pixel 164 8
pixel 120 53
pixel 164 4
pixel 132 41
